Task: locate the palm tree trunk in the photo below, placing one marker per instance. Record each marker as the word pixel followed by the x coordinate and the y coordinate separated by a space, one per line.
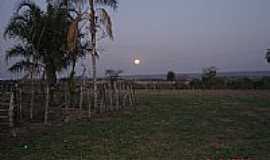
pixel 93 54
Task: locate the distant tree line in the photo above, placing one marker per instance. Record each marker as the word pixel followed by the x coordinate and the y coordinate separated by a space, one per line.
pixel 229 83
pixel 210 80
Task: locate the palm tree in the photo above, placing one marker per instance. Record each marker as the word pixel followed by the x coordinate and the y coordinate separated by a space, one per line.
pixel 99 21
pixel 24 26
pixel 41 40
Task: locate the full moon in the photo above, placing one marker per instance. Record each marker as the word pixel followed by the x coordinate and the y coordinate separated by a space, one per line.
pixel 137 61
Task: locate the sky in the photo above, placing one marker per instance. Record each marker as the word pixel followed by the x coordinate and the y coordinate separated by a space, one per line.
pixel 179 35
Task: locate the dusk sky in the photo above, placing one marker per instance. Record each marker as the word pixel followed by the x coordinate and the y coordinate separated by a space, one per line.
pixel 179 35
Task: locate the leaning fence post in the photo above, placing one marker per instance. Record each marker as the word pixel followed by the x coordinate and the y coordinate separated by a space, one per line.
pixel 11 114
pixel 129 95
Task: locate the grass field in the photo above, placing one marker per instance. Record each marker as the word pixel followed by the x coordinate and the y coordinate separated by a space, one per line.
pixel 167 125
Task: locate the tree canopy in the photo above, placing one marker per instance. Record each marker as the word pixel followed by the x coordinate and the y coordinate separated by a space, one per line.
pixel 42 39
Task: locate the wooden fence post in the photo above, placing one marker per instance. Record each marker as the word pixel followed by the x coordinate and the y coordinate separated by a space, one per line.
pixel 11 114
pixel 102 100
pixel 105 98
pixel 32 100
pixel 81 94
pixel 47 104
pixel 110 97
pixel 116 97
pixel 66 96
pixel 129 95
pixel 20 103
pixel 124 96
pixel 133 94
pixel 11 110
pixel 89 103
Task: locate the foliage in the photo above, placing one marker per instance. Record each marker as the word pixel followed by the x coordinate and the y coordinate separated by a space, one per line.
pixel 241 83
pixel 210 80
pixel 97 22
pixel 42 38
pixel 24 27
pixel 233 83
pixel 171 76
pixel 113 74
pixel 209 76
pixel 196 84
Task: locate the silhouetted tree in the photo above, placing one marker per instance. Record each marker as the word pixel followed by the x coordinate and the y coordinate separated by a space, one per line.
pixel 171 76
pixel 98 22
pixel 209 76
pixel 41 39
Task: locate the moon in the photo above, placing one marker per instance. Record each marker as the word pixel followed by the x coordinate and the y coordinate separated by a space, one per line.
pixel 137 61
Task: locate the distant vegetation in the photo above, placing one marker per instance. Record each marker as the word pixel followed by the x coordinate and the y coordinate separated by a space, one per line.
pixel 113 75
pixel 227 83
pixel 210 80
pixel 171 76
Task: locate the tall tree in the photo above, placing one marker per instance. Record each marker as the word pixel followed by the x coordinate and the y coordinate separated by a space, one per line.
pixel 209 76
pixel 41 39
pixel 24 27
pixel 99 23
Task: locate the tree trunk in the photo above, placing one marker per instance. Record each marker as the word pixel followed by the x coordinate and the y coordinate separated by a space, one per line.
pixel 51 74
pixel 93 54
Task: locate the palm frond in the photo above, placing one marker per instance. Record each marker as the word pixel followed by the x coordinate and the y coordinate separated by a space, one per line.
pixel 30 4
pixel 20 66
pixel 72 34
pixel 106 21
pixel 18 51
pixel 74 31
pixel 21 22
pixel 68 3
pixel 109 3
pixel 15 28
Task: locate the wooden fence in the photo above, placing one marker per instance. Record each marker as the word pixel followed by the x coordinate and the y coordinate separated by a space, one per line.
pixel 36 101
